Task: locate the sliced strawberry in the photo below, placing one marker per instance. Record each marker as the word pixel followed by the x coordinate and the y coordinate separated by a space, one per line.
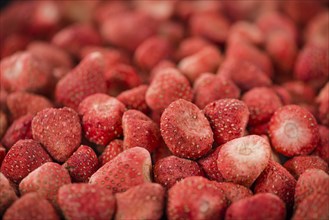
pixel 209 166
pixel 172 169
pixel 7 194
pixel 85 201
pixel 186 130
pixel 234 192
pixel 228 119
pixel 323 105
pixel 135 98
pixel 58 130
pixel 113 149
pixel 101 118
pixel 293 131
pixel 145 201
pixel 130 168
pixel 195 198
pixel 322 150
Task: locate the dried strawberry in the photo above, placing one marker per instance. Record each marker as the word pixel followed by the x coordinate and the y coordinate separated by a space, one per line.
pixel 209 165
pixel 135 98
pixel 113 149
pixel 7 194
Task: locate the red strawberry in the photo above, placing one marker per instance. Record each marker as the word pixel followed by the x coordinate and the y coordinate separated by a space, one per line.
pixel 283 94
pixel 315 32
pixel 190 46
pixel 58 130
pixel 322 150
pixel 209 166
pixel 101 118
pixel 243 159
pixel 300 92
pixel 185 130
pixel 82 164
pixel 135 98
pixel 277 180
pixel 13 43
pixel 31 206
pixel 171 30
pixel 45 180
pixel 260 206
pixel 259 129
pixel 7 194
pixel 299 164
pixel 145 201
pixel 159 68
pixel 85 201
pixel 245 31
pixel 293 131
pixel 3 123
pixel 185 9
pixel 161 151
pixel 262 102
pixel 172 169
pixel 195 198
pixel 20 129
pixel 2 154
pixel 234 192
pixel 22 103
pixel 130 168
pixel 84 80
pixel 113 149
pixel 22 158
pixel 209 87
pixel 323 105
pixel 139 131
pixel 228 119
pixel 166 87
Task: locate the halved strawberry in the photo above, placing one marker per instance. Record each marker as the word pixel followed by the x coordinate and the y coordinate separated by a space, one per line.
pixel 293 131
pixel 135 98
pixel 7 194
pixel 113 149
pixel 209 165
pixel 233 192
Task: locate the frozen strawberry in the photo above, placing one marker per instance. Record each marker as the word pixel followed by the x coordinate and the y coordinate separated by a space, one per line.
pixel 7 194
pixel 151 52
pixel 84 80
pixel 130 168
pixel 322 150
pixel 244 74
pixel 209 166
pixel 24 72
pixel 259 206
pixel 323 105
pixel 113 149
pixel 22 158
pixel 293 131
pixel 3 123
pixel 75 37
pixel 206 60
pixel 31 206
pixel 135 98
pixel 299 164
pixel 195 198
pixel 283 94
pixel 22 103
pixel 185 130
pixel 58 130
pixel 190 46
pixel 2 154
pixel 82 164
pixel 316 30
pixel 277 180
pixel 234 192
pixel 166 87
pixel 228 119
pixel 262 102
pixel 145 201
pixel 209 87
pixel 85 201
pixel 172 169
pixel 243 159
pixel 245 31
pixel 161 152
pixel 45 181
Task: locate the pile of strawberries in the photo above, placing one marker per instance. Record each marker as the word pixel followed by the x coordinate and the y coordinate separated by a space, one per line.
pixel 164 110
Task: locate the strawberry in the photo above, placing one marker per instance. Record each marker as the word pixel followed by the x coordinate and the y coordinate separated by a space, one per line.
pixel 190 46
pixel 173 31
pixel 209 165
pixel 22 103
pixel 113 149
pixel 259 206
pixel 172 169
pixel 130 168
pixel 161 152
pixel 2 154
pixel 22 158
pixel 283 94
pixel 31 206
pixel 195 197
pixel 20 129
pixel 7 194
pixel 322 150
pixel 85 201
pixel 145 201
pixel 45 181
pixel 315 32
pixel 139 131
pixel 186 9
pixel 234 192
pixel 101 118
pixel 299 164
pixel 166 87
pixel 323 105
pixel 300 92
pixel 13 43
pixel 277 180
pixel 58 130
pixel 84 80
pixel 293 131
pixel 262 102
pixel 243 159
pixel 103 10
pixel 135 98
pixel 157 9
pixel 209 87
pixel 245 31
pixel 185 130
pixel 82 164
pixel 228 119
pixel 3 123
pixel 259 129
pixel 163 64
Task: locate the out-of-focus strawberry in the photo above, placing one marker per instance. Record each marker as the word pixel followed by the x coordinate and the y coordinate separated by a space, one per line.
pixel 190 46
pixel 323 105
pixel 171 30
pixel 322 150
pixel 316 31
pixel 245 31
pixel 135 98
pixel 13 43
pixel 2 154
pixel 7 194
pixel 3 123
pixel 113 149
pixel 300 92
